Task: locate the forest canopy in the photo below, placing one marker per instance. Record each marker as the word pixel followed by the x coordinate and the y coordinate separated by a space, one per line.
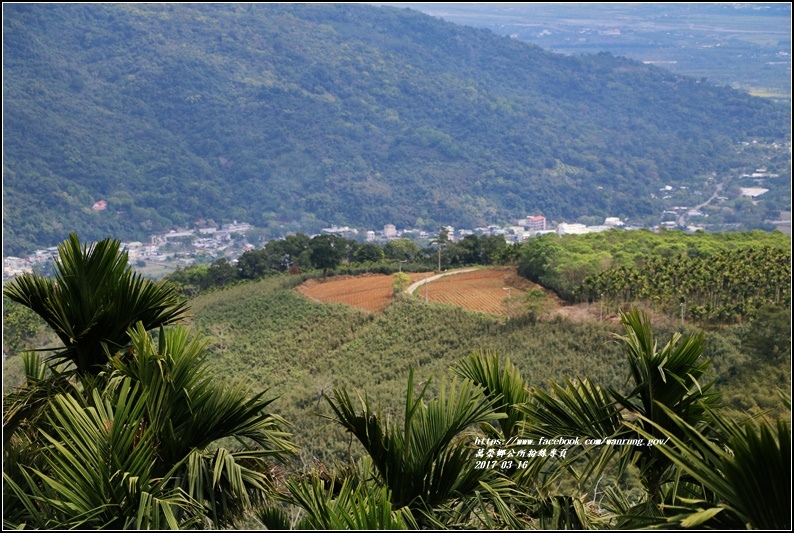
pixel 310 115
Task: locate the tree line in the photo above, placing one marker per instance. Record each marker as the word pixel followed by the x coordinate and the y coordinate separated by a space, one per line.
pixel 717 277
pixel 725 287
pixel 331 253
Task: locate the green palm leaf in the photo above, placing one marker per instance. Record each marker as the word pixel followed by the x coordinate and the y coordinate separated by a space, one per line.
pixel 99 458
pixel 751 478
pixel 578 409
pixel 425 464
pixel 27 402
pixel 353 505
pixel 92 301
pixel 670 376
pixel 500 380
pixel 189 413
pixel 188 408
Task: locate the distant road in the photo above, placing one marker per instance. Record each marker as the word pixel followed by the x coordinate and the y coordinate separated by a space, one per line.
pixel 682 219
pixel 417 284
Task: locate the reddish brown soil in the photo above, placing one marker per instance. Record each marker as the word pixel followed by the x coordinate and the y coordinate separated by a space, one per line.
pixel 480 290
pixel 371 292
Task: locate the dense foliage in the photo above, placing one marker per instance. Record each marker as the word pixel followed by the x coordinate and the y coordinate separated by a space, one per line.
pixel 21 327
pixel 139 436
pixel 297 116
pixel 93 300
pixel 719 277
pixel 723 287
pixel 678 35
pixel 157 439
pixel 268 333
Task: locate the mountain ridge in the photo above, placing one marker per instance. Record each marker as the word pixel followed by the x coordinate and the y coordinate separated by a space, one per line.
pixel 298 116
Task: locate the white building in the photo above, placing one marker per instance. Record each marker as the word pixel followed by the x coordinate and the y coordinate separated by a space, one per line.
pixel 752 192
pixel 344 231
pixel 571 229
pixel 537 223
pixel 580 229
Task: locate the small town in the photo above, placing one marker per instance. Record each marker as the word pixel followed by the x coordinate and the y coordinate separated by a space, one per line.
pixel 180 248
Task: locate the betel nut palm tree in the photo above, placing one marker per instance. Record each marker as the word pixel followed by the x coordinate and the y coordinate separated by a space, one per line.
pixel 90 304
pixel 423 459
pixel 709 471
pixel 662 381
pixel 151 447
pixel 93 300
pixel 117 431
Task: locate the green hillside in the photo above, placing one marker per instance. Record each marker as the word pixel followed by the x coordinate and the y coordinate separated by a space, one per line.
pixel 306 115
pixel 266 333
pixel 156 435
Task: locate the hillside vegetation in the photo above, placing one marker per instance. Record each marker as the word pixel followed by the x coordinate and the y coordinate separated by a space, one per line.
pixel 186 431
pixel 271 335
pixel 297 116
pixel 268 334
pixel 720 277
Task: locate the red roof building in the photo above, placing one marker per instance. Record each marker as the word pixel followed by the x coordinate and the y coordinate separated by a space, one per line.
pixel 536 223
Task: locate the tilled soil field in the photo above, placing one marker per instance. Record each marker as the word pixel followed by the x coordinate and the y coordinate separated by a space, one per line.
pixel 481 290
pixel 371 292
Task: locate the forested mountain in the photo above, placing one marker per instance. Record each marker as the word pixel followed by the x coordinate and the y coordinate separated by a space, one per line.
pixel 306 115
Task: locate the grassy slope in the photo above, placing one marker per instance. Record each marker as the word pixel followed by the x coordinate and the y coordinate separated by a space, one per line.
pixel 270 336
pixel 266 333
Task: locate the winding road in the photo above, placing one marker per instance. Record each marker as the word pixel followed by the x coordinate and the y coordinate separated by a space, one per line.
pixel 682 219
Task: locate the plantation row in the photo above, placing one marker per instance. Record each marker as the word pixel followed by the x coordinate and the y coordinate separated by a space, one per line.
pixel 480 290
pixel 371 292
pixel 726 287
pixel 720 278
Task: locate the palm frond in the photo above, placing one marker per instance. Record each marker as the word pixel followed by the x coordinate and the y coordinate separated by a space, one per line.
pixel 92 301
pixel 227 483
pixel 424 463
pixel 25 404
pixel 187 408
pixel 751 478
pixel 500 381
pixel 98 469
pixel 188 412
pixel 578 410
pixel 273 518
pixel 671 376
pixel 565 512
pixel 355 506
